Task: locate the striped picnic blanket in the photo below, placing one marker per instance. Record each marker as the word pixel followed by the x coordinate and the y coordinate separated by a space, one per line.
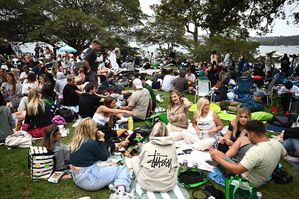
pixel 179 192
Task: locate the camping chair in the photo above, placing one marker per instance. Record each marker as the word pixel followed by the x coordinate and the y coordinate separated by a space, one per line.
pixel 244 85
pixel 269 90
pixel 203 88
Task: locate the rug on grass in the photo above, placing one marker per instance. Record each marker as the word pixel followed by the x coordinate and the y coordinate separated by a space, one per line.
pixel 179 192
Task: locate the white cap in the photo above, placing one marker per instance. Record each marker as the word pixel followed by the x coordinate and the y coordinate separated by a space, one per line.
pixel 4 66
pixel 137 83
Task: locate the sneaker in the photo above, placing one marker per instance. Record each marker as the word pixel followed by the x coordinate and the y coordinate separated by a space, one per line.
pixel 120 194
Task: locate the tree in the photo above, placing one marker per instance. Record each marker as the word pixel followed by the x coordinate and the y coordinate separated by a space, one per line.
pixel 159 31
pixel 74 22
pixel 218 17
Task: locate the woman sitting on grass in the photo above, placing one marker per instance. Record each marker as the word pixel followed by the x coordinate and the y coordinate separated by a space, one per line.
pixel 51 141
pixel 177 114
pixel 104 118
pixel 38 115
pixel 86 149
pixel 207 125
pixel 156 168
pixel 7 122
pixel 236 128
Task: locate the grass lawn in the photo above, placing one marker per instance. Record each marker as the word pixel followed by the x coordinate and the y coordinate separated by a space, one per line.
pixel 15 181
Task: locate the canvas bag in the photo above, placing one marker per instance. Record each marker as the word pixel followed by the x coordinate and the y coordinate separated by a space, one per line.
pixel 20 139
pixel 41 163
pixel 237 188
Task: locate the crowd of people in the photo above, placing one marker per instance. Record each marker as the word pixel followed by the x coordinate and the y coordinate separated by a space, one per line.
pixel 34 87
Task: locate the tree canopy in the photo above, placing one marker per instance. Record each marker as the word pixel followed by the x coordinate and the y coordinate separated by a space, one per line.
pixel 231 18
pixel 71 21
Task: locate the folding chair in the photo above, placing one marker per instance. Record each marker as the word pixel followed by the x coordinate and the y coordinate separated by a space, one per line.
pixel 203 88
pixel 244 85
pixel 269 90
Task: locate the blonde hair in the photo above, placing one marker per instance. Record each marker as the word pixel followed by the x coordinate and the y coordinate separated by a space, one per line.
pixel 86 129
pixel 159 130
pixel 34 101
pixel 200 105
pixel 236 124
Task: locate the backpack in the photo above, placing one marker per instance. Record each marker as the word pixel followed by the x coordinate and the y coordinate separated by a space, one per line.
pixel 192 178
pixel 67 114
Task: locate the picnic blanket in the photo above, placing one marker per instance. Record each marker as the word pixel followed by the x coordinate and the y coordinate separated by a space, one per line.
pixel 179 192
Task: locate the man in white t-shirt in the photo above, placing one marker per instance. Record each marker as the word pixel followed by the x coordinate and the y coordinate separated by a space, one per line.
pixel 139 102
pixel 168 81
pixel 288 93
pixel 259 161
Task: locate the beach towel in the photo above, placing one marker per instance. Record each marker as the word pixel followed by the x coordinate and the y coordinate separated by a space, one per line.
pixel 179 192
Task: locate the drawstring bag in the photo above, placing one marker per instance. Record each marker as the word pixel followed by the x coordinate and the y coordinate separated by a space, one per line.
pixel 237 188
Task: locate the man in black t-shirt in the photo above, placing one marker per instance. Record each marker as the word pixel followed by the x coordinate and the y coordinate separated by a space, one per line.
pixel 90 61
pixel 89 101
pixel 71 92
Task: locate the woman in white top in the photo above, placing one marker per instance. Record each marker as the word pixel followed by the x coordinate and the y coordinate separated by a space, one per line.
pixel 29 83
pixel 207 124
pixel 104 118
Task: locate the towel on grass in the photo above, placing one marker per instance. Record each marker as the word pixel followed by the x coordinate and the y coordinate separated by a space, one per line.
pixel 179 192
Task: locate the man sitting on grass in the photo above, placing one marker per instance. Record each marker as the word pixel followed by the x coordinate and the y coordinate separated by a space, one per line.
pixel 259 161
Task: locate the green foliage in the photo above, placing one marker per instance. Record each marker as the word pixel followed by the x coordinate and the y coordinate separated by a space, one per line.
pixel 74 22
pixel 223 17
pixel 236 47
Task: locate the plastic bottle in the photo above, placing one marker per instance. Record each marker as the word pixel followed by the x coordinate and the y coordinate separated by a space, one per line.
pixel 130 123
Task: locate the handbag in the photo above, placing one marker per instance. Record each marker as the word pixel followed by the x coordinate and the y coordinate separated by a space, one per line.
pixel 41 163
pixel 20 139
pixel 237 188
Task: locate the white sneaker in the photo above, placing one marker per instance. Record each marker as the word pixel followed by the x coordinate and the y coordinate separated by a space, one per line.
pixel 120 194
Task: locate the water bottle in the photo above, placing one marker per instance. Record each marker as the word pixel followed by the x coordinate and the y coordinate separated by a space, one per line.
pixel 130 123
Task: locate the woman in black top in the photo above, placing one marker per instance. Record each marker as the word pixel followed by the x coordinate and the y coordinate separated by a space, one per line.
pixel 38 114
pixel 90 170
pixel 236 129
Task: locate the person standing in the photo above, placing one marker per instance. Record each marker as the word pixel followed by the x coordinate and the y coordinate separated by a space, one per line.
pixel 90 61
pixel 285 64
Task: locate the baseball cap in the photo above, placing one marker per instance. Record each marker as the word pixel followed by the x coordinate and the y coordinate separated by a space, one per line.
pixel 258 93
pixel 137 83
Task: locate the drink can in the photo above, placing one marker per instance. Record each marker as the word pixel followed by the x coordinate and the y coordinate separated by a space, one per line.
pixel 195 166
pixel 185 164
pixel 259 195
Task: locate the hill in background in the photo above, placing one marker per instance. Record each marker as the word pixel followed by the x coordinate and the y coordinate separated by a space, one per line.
pixel 277 41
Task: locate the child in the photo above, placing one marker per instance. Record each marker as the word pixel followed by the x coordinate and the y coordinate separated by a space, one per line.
pixel 52 142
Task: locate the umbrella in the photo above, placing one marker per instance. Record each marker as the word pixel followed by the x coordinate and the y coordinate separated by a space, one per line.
pixel 67 49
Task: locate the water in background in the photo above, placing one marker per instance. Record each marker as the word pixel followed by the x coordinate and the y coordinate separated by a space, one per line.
pixel 29 47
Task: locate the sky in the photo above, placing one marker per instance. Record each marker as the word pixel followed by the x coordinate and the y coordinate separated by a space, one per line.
pixel 280 28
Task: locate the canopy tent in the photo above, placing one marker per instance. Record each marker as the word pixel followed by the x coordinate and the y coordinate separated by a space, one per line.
pixel 67 49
